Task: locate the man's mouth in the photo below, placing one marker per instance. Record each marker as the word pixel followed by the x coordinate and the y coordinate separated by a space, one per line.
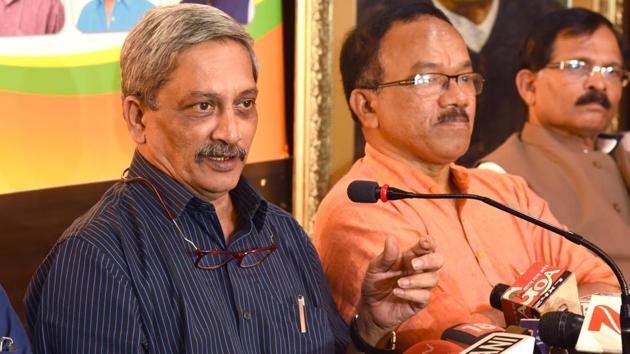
pixel 220 158
pixel 220 152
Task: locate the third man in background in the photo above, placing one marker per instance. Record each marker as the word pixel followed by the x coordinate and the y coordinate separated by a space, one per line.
pixel 571 81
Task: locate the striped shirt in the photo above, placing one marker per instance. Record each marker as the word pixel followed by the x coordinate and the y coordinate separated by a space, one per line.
pixel 122 280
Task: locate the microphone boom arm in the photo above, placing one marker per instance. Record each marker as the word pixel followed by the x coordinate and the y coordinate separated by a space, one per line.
pixel 394 194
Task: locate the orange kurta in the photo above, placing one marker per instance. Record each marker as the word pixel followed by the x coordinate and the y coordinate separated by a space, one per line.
pixel 482 246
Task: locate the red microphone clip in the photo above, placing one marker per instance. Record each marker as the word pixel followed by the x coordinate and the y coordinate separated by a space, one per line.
pixel 384 192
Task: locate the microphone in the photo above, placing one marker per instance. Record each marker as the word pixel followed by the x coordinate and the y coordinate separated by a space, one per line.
pixel 542 288
pixel 601 330
pixel 503 342
pixel 598 332
pixel 371 192
pixel 482 338
pixel 560 329
pixel 466 334
pixel 434 346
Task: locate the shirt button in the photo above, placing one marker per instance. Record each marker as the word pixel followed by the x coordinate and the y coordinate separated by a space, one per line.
pixel 247 315
pixel 617 207
pixel 597 164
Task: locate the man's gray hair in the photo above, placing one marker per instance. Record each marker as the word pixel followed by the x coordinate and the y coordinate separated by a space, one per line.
pixel 151 48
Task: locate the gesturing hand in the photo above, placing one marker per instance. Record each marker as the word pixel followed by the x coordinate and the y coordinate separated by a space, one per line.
pixel 396 286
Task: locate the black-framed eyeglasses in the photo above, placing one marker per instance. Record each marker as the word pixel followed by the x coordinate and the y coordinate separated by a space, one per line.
pixel 578 69
pixel 212 259
pixel 437 83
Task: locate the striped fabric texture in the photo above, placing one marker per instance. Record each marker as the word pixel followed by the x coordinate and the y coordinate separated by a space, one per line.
pixel 122 280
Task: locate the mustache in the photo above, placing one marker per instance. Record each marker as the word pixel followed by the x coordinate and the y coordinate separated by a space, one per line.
pixel 220 149
pixel 594 97
pixel 453 115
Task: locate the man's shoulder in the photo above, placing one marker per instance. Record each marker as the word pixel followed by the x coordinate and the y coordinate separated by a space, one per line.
pixel 90 8
pixel 507 150
pixel 337 197
pixel 488 181
pixel 103 221
pixel 142 6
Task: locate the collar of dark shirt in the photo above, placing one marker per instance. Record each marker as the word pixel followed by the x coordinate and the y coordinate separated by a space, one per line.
pixel 248 202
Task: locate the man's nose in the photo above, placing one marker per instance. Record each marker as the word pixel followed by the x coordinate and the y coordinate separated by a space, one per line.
pixel 454 95
pixel 227 129
pixel 596 80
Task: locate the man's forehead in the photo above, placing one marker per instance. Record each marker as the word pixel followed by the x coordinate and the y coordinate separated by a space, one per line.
pixel 425 37
pixel 431 26
pixel 568 42
pixel 429 66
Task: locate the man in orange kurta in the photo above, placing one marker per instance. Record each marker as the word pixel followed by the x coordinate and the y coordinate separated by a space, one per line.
pixel 409 82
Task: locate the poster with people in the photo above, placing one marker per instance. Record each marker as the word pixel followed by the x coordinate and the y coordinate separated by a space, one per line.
pixel 60 112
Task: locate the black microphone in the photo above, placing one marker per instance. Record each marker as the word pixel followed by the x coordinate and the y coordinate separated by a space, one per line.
pixel 371 192
pixel 560 329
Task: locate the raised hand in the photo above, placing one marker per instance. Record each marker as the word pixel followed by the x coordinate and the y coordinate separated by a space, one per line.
pixel 396 286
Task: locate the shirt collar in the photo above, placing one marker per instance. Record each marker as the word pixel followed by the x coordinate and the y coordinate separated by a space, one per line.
pixel 248 202
pixel 125 2
pixel 8 2
pixel 397 173
pixel 607 143
pixel 475 35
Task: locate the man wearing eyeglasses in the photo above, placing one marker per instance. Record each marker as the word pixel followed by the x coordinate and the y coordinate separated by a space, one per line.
pixel 183 255
pixel 571 80
pixel 409 81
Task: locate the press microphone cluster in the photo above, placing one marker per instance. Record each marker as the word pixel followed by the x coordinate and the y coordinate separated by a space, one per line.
pixel 542 288
pixel 597 332
pixel 371 192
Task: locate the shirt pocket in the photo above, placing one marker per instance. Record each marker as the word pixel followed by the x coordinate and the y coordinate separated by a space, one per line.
pixel 308 331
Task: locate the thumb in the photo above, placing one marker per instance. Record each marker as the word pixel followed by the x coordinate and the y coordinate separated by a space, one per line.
pixel 387 259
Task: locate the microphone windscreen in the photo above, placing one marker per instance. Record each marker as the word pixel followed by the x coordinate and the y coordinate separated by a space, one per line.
pixel 497 294
pixel 560 328
pixel 363 191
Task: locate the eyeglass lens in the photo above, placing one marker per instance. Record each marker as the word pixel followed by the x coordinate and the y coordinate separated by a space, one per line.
pixel 580 68
pixel 436 83
pixel 246 259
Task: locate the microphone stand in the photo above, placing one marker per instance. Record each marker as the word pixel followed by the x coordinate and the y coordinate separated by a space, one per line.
pixel 624 313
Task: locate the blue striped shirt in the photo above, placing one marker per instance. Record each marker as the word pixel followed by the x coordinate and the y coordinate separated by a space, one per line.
pixel 122 280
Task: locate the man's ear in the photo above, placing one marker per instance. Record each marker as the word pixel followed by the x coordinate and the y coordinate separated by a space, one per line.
pixel 133 112
pixel 362 104
pixel 525 84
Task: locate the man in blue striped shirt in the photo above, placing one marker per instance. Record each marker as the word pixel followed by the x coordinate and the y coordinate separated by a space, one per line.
pixel 183 255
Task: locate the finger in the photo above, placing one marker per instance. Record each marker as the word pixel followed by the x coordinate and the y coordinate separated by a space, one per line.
pixel 428 263
pixel 417 298
pixel 425 245
pixel 427 280
pixel 387 259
